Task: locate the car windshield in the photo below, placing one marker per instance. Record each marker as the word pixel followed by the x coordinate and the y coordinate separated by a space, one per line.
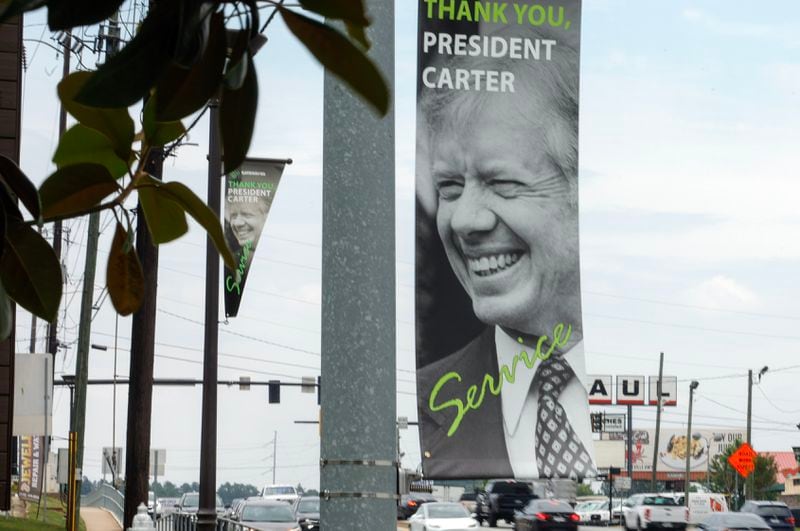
pixel 773 511
pixel 508 487
pixel 447 511
pixel 468 496
pixel 308 506
pixel 271 491
pixel 267 513
pixel 191 500
pixel 659 500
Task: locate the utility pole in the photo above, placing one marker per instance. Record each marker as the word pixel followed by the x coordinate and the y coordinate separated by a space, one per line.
pixel 52 330
pixel 749 421
pixel 207 512
pixel 629 463
pixel 692 387
pixel 274 455
pixel 658 421
pixel 358 472
pixel 87 296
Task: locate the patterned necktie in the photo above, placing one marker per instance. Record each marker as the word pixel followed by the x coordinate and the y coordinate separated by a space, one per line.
pixel 559 451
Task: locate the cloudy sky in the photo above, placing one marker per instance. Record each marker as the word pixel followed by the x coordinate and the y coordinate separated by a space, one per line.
pixel 689 179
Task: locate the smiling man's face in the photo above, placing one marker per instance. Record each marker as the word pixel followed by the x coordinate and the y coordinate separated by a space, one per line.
pixel 507 218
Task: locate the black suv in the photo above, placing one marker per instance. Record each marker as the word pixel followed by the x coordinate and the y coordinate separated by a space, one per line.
pixel 776 514
pixel 501 499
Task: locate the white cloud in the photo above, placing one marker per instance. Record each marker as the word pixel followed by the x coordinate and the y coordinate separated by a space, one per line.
pixel 722 292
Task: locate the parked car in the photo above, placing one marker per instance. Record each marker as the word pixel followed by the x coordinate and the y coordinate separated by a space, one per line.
pixel 306 513
pixel 598 513
pixel 541 515
pixel 448 516
pixel 776 514
pixel 190 502
pixel 584 510
pixel 409 503
pixel 649 511
pixel 501 499
pixel 468 500
pixel 702 505
pixel 267 515
pixel 284 493
pixel 728 521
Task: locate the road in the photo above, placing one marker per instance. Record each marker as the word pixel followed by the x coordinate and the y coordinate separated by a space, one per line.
pixel 504 525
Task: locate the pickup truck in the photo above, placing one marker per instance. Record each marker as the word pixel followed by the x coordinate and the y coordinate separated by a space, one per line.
pixel 500 499
pixel 654 511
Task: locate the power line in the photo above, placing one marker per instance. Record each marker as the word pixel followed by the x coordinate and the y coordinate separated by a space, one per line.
pixel 773 403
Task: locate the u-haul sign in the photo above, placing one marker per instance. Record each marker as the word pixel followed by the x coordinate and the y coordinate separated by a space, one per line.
pixel 669 390
pixel 599 390
pixel 630 390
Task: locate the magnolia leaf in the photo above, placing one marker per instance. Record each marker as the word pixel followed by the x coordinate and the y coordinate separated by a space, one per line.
pixel 12 8
pixel 159 133
pixel 67 14
pixel 84 144
pixel 116 124
pixel 165 218
pixel 358 34
pixel 127 77
pixel 18 183
pixel 124 277
pixel 237 119
pixel 195 207
pixel 237 65
pixel 180 91
pixel 30 272
pixel 339 55
pixel 74 189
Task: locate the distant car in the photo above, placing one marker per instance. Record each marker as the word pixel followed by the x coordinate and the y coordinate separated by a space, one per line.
pixel 284 493
pixel 190 502
pixel 409 503
pixel 151 504
pixel 501 499
pixel 467 499
pixel 702 505
pixel 267 515
pixel 584 510
pixel 728 521
pixel 650 511
pixel 442 515
pixel 229 509
pixel 776 514
pixel 306 513
pixel 541 515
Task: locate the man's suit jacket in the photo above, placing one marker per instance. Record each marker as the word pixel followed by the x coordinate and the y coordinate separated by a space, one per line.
pixel 478 448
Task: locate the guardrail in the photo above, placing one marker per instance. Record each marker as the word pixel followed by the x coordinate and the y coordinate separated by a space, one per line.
pixel 188 522
pixel 108 498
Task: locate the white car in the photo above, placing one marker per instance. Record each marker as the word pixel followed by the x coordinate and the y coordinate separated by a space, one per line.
pixel 284 493
pixel 443 516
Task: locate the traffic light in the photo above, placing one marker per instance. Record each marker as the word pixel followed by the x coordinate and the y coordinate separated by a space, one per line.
pixel 274 391
pixel 597 422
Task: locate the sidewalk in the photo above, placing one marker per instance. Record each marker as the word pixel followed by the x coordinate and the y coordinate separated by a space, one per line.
pixel 98 520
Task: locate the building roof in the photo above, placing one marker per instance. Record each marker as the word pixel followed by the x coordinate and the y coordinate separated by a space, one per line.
pixel 786 463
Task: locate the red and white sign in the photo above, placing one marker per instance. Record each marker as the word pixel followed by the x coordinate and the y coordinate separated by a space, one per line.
pixel 742 460
pixel 630 390
pixel 669 390
pixel 599 389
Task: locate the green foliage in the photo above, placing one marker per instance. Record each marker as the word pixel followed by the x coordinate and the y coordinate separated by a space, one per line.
pixel 723 478
pixel 184 54
pixel 231 491
pixel 584 490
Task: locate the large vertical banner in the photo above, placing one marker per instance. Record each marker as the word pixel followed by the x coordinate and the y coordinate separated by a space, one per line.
pixel 500 362
pixel 31 467
pixel 249 193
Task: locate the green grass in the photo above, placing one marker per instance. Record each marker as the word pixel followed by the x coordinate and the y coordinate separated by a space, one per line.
pixel 56 516
pixel 24 524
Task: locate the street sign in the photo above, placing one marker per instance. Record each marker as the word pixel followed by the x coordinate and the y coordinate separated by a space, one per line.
pixel 158 458
pixel 742 460
pixel 112 457
pixel 622 483
pixel 614 423
pixel 309 384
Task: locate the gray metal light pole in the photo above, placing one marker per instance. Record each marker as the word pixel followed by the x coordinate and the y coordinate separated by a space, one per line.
pixel 748 483
pixel 658 421
pixel 358 447
pixel 692 387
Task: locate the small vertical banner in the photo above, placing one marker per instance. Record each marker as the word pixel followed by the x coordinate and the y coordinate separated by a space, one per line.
pixel 249 193
pixel 31 467
pixel 501 379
